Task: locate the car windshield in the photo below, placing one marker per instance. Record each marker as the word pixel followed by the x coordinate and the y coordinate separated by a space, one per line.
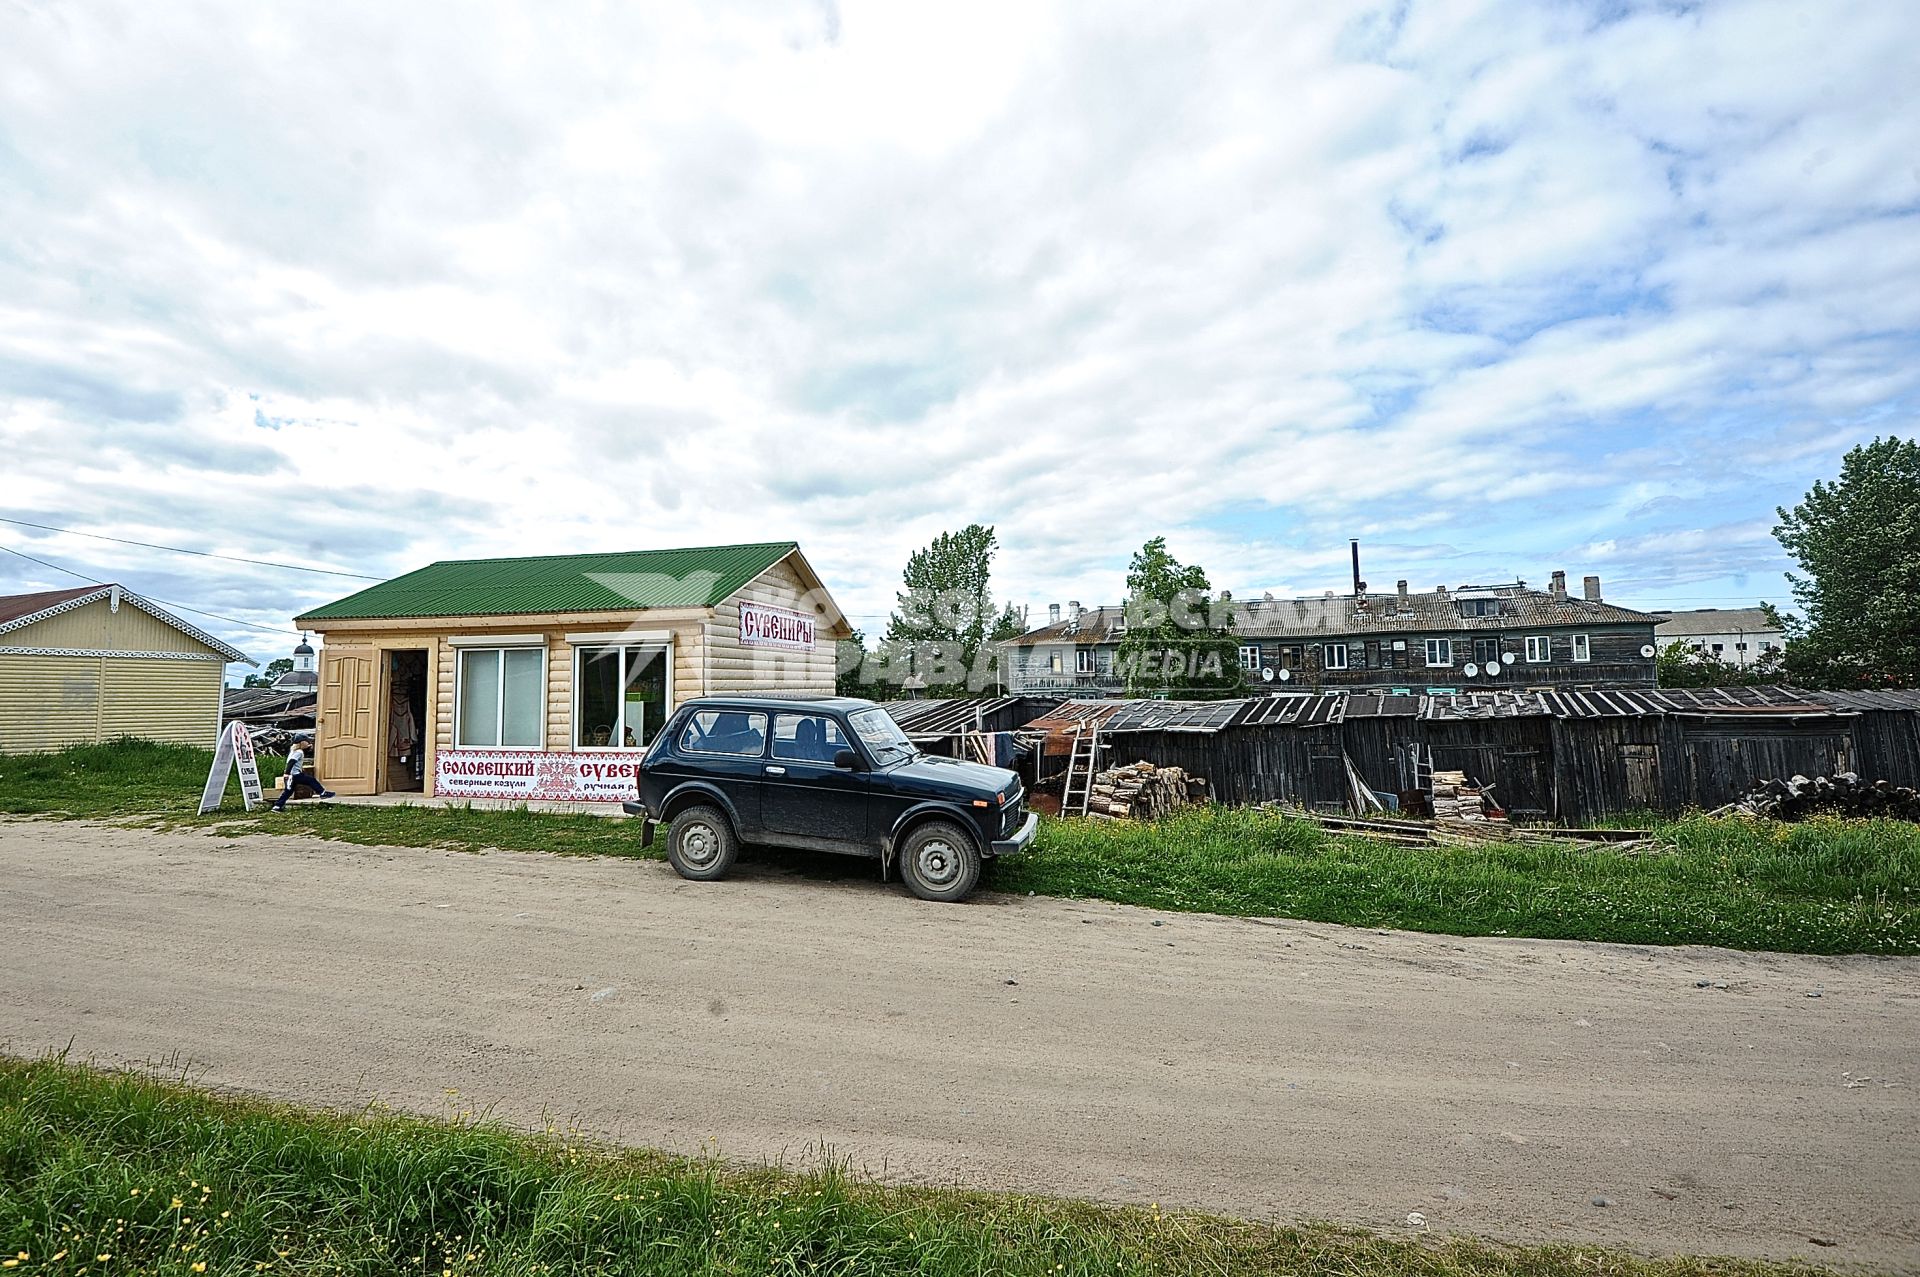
pixel 882 735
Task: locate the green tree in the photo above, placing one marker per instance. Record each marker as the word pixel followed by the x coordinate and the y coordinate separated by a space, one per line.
pixel 849 665
pixel 1177 643
pixel 1678 665
pixel 945 626
pixel 274 670
pixel 1857 542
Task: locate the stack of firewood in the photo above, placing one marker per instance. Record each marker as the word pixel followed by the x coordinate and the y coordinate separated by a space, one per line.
pixel 1142 791
pixel 1842 794
pixel 1455 799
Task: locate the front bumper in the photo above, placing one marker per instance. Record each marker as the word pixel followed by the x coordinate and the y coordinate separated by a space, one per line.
pixel 1021 839
pixel 646 820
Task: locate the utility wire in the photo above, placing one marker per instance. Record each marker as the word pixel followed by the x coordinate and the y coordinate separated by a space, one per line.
pixel 205 554
pixel 245 625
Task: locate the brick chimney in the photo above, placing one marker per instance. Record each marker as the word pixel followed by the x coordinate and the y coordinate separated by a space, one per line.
pixel 1592 586
pixel 1053 614
pixel 1559 587
pixel 1403 590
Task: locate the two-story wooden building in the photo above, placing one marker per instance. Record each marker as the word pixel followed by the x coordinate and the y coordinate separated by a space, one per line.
pixel 1410 643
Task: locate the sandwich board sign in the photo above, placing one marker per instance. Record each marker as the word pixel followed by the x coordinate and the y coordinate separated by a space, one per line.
pixel 234 750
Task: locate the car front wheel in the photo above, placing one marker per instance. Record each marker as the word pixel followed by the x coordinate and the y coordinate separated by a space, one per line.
pixel 701 845
pixel 938 861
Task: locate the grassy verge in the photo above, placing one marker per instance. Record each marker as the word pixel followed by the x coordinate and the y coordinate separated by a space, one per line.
pixel 108 1173
pixel 1821 887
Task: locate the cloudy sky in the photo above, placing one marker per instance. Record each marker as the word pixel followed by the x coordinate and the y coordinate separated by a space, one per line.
pixel 1495 287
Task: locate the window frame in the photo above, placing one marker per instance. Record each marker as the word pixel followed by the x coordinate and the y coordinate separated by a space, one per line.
pixel 1545 649
pixel 664 647
pixel 1439 644
pixel 1056 663
pixel 500 687
pixel 1083 662
pixel 1582 648
pixel 1326 656
pixel 1249 656
pixel 773 737
pixel 766 734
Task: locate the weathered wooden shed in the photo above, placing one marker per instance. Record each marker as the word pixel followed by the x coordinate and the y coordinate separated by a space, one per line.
pixel 99 662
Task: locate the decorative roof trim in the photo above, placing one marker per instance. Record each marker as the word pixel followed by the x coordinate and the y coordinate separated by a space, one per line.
pixel 154 610
pixel 111 652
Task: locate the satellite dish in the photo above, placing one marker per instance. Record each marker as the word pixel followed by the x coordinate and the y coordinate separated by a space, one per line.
pixel 1470 669
pixel 1285 675
pixel 1646 649
pixel 1508 658
pixel 1267 673
pixel 1493 667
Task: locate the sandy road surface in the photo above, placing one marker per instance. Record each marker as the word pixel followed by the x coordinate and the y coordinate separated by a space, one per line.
pixel 1253 1068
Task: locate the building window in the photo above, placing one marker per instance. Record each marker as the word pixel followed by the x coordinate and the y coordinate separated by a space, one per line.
pixel 1719 648
pixel 1055 665
pixel 1083 660
pixel 1439 653
pixel 1336 655
pixel 1582 649
pixel 1766 645
pixel 725 731
pixel 501 696
pixel 1739 647
pixel 620 696
pixel 1539 649
pixel 1249 657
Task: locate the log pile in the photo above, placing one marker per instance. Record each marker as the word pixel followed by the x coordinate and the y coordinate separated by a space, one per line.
pixel 1842 794
pixel 1455 799
pixel 1142 791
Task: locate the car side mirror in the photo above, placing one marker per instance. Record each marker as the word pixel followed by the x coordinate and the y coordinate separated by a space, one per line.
pixel 847 761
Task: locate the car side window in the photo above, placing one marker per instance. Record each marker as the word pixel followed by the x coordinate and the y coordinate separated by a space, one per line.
pixel 807 738
pixel 725 731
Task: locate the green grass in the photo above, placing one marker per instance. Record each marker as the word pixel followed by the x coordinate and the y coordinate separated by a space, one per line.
pixel 1826 886
pixel 108 1173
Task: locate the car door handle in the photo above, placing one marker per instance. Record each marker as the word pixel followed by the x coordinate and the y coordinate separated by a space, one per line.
pixel 776 771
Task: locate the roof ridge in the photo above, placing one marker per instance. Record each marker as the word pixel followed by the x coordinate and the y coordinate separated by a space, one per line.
pixel 601 554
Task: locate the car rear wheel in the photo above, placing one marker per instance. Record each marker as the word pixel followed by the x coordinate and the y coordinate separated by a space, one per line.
pixel 939 862
pixel 701 845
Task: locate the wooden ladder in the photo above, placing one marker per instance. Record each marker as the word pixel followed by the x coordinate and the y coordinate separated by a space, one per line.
pixel 1081 764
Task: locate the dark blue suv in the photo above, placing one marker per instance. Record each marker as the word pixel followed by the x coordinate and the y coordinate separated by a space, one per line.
pixel 829 774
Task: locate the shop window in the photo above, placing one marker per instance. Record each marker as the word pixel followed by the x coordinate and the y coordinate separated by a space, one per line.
pixel 1336 655
pixel 1582 648
pixel 725 731
pixel 1250 657
pixel 1539 649
pixel 501 695
pixel 807 738
pixel 1439 653
pixel 620 696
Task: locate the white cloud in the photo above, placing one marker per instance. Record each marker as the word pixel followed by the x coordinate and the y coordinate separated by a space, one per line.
pixel 1487 284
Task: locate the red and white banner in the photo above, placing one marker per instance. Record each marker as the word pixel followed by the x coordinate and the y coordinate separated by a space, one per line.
pixel 599 776
pixel 763 626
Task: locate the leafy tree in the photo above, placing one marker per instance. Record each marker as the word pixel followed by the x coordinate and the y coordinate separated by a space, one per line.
pixel 1177 642
pixel 1857 541
pixel 1678 665
pixel 945 626
pixel 266 677
pixel 849 665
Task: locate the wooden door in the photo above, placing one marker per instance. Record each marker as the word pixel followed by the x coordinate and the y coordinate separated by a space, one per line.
pixel 346 754
pixel 1642 764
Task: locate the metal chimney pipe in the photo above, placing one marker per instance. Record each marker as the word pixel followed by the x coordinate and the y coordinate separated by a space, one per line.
pixel 1359 586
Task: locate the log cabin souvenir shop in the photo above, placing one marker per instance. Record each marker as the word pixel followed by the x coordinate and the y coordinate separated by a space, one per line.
pixel 546 678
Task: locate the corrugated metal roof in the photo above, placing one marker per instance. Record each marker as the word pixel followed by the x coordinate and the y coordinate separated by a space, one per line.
pixel 1889 699
pixel 945 717
pixel 14 607
pixel 1174 716
pixel 696 577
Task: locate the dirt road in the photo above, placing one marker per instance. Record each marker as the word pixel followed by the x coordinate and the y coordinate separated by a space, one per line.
pixel 1271 1070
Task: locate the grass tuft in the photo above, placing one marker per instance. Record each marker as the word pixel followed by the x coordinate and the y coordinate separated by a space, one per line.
pixel 122 1172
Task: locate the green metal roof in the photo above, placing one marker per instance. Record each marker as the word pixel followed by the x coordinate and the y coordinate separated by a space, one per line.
pixel 698 577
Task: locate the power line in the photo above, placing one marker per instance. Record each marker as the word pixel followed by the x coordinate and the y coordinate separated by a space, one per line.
pixel 205 554
pixel 245 625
